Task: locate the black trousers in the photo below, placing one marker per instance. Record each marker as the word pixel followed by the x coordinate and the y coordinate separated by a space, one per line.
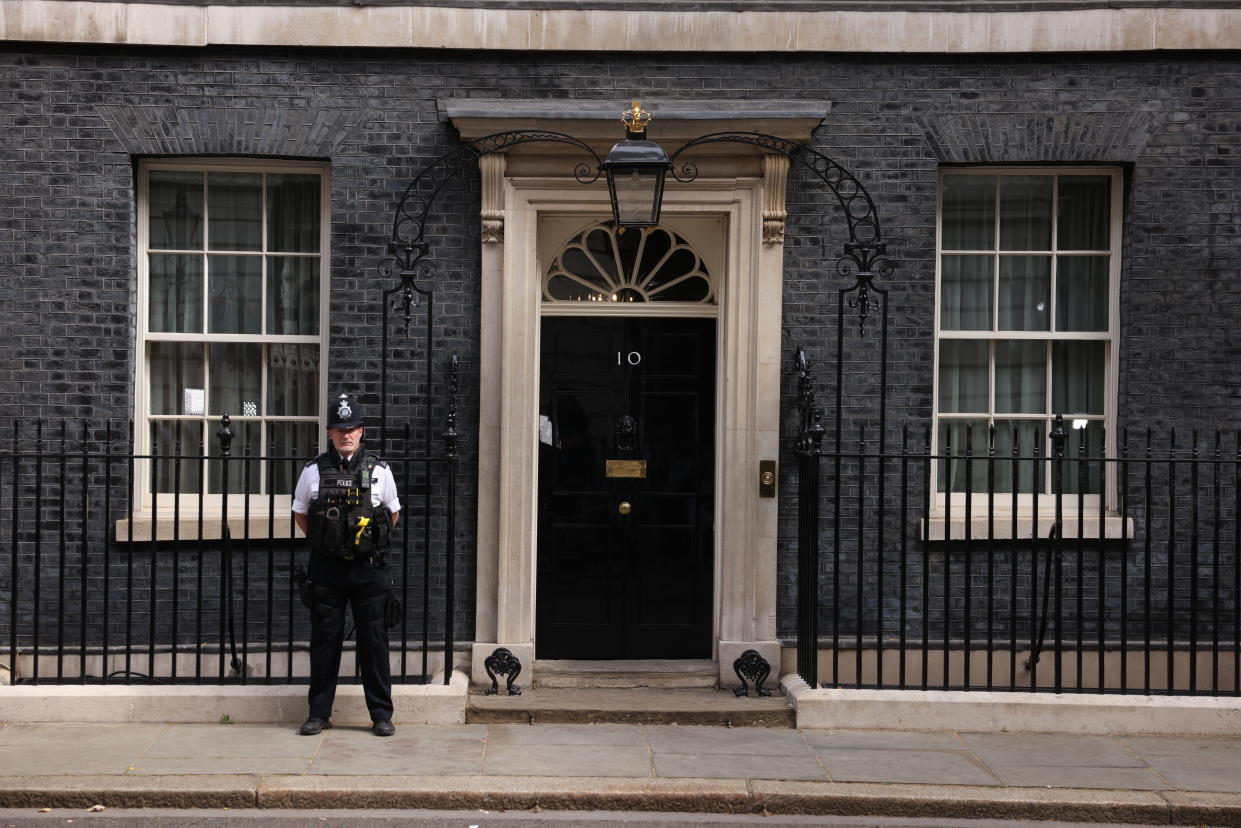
pixel 362 584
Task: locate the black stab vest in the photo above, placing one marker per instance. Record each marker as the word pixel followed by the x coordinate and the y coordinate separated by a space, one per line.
pixel 341 522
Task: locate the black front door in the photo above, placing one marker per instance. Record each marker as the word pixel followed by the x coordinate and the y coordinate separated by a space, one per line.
pixel 626 487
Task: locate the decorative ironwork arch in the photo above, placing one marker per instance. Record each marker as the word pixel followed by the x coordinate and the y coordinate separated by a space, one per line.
pixel 864 254
pixel 408 250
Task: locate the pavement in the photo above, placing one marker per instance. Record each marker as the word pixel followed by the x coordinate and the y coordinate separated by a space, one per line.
pixel 1156 780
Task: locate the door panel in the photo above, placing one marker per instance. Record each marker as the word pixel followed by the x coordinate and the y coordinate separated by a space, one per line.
pixel 635 585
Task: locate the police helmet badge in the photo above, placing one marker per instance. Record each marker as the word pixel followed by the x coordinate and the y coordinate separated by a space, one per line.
pixel 343 412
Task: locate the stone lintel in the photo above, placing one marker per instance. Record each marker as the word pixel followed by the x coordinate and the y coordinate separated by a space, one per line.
pixel 598 122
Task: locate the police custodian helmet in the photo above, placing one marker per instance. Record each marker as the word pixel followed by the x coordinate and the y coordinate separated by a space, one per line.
pixel 343 412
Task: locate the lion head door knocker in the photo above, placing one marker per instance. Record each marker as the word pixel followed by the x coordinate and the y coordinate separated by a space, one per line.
pixel 626 433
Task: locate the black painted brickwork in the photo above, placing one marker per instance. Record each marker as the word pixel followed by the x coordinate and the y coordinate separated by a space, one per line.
pixel 67 203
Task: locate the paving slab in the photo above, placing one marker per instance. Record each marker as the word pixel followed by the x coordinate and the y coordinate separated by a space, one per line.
pixel 1222 775
pixel 406 752
pixel 760 741
pixel 510 793
pixel 734 766
pixel 567 760
pixel 1134 779
pixel 215 740
pixel 83 737
pixel 216 765
pixel 429 734
pixel 883 740
pixel 924 767
pixel 565 734
pixel 1206 747
pixel 958 802
pixel 1050 749
pixel 57 759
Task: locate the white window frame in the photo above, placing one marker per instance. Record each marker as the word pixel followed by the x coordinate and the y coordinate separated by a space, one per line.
pixel 188 506
pixel 979 505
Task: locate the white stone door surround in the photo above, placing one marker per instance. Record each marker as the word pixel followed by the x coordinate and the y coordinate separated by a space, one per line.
pixel 735 182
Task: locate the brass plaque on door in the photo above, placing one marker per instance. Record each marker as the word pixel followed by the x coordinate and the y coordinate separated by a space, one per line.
pixel 626 468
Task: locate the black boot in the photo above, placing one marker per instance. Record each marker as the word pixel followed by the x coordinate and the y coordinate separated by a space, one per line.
pixel 313 726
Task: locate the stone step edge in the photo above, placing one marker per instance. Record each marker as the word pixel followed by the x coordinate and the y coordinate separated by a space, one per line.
pixel 765 717
pixel 567 681
pixel 585 793
pixel 638 668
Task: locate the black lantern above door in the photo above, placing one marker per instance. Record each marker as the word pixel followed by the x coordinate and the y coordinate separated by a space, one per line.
pixel 635 169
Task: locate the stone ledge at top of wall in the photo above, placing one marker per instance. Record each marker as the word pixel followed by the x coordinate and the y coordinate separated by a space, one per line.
pixel 1006 711
pixel 672 26
pixel 985 6
pixel 600 120
pixel 453 108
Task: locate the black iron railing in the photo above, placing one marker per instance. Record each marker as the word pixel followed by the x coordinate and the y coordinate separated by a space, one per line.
pixel 191 579
pixel 925 567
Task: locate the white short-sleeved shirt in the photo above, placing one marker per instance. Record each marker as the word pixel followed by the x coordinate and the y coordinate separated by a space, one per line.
pixel 383 488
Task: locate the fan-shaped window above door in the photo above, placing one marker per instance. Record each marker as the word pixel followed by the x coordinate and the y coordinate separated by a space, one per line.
pixel 602 264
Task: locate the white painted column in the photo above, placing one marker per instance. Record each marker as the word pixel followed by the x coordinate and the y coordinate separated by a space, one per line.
pixel 752 407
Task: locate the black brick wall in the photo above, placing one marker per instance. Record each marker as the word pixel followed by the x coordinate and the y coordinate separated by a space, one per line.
pixel 77 118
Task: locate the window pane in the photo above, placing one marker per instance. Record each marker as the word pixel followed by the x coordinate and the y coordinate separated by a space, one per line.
pixel 173 368
pixel 962 376
pixel 1021 377
pixel 1085 441
pixel 175 285
pixel 176 210
pixel 176 452
pixel 293 213
pixel 293 380
pixel 292 295
pixel 236 377
pixel 1078 379
pixel 1025 212
pixel 968 212
pixel 1025 293
pixel 236 294
pixel 235 211
pixel 290 445
pixel 1085 204
pixel 965 293
pixel 1018 439
pixel 956 438
pixel 1081 293
pixel 244 462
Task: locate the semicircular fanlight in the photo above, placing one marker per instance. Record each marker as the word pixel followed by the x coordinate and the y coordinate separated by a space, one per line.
pixel 653 264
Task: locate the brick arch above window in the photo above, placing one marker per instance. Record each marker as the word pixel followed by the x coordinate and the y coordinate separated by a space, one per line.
pixel 170 130
pixel 1018 138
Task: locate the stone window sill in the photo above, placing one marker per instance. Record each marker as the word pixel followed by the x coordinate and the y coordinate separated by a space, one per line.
pixel 1000 527
pixel 186 527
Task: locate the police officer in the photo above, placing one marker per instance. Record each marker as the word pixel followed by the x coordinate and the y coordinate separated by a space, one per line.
pixel 346 503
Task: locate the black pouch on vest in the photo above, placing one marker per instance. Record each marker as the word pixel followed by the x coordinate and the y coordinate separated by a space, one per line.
pixel 393 611
pixel 305 590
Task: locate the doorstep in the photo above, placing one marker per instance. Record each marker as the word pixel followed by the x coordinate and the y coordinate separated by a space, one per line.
pixel 640 705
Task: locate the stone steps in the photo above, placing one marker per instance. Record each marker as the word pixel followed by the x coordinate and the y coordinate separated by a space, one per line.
pixel 641 705
pixel 666 673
